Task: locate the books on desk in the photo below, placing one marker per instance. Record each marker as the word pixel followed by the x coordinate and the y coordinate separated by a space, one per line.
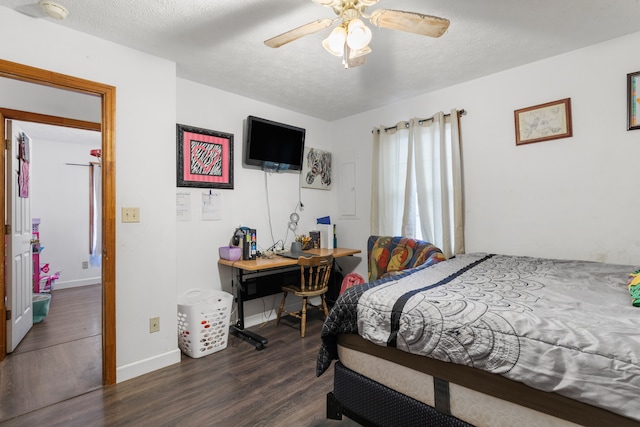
pixel 323 237
pixel 315 239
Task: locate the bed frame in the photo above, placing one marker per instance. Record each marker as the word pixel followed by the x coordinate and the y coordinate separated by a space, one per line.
pixel 373 404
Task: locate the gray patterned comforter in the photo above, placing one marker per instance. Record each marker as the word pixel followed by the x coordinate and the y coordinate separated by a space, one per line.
pixel 562 326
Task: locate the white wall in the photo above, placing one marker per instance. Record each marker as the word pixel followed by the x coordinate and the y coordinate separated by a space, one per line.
pixel 145 151
pixel 18 95
pixel 566 198
pixel 246 204
pixel 60 199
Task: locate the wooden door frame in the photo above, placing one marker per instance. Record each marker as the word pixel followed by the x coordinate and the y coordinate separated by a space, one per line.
pixel 107 95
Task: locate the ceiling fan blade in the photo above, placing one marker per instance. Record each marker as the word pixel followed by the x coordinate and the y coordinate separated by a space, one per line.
pixel 411 22
pixel 296 33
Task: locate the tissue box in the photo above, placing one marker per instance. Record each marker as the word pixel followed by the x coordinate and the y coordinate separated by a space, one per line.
pixel 230 253
pixel 326 235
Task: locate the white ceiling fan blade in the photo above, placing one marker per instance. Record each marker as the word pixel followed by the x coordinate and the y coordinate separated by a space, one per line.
pixel 296 33
pixel 411 22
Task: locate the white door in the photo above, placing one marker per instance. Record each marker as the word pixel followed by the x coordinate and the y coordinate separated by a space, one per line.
pixel 19 283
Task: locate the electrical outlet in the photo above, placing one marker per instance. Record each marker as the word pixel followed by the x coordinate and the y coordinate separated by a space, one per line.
pixel 130 214
pixel 154 324
pixel 85 265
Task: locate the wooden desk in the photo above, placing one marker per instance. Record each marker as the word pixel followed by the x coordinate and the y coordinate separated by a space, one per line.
pixel 247 275
pixel 280 261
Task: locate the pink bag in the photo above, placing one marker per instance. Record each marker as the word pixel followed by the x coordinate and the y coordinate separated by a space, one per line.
pixel 350 280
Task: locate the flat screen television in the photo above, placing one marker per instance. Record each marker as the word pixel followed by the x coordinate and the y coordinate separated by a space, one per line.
pixel 273 145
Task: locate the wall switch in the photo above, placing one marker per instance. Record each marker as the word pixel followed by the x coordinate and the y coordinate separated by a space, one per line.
pixel 85 265
pixel 154 324
pixel 130 214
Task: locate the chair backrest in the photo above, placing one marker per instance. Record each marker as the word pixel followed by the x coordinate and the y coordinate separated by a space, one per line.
pixel 315 272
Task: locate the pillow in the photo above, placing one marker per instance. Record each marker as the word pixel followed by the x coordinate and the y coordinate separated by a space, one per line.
pixel 634 288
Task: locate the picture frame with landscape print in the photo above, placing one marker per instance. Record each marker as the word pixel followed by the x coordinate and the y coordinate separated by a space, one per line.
pixel 204 158
pixel 543 122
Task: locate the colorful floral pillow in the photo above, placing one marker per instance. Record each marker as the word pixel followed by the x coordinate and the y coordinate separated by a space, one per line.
pixel 388 255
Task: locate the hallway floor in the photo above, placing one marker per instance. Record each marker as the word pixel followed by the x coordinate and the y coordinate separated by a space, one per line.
pixel 60 357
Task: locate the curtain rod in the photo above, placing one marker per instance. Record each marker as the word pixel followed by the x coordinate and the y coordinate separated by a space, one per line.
pixel 461 112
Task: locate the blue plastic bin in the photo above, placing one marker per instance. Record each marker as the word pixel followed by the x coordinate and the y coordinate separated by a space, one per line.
pixel 40 307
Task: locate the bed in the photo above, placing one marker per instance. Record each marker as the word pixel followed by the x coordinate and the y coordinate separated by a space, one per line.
pixel 487 340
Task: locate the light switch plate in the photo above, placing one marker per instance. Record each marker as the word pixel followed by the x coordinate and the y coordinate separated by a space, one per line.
pixel 130 214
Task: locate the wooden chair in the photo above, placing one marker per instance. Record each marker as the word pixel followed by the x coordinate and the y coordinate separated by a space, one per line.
pixel 314 281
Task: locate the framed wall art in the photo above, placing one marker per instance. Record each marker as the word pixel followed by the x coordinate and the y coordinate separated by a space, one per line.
pixel 204 158
pixel 633 101
pixel 316 169
pixel 543 122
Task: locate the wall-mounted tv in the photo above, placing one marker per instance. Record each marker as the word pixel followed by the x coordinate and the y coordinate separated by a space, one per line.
pixel 273 145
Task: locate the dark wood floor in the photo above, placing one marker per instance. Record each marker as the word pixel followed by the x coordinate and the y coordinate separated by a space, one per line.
pixel 60 357
pixel 237 386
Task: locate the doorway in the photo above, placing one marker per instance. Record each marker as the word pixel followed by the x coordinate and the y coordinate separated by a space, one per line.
pixel 107 97
pixel 61 353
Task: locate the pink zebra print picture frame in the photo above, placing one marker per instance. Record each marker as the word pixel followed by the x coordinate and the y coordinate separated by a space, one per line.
pixel 204 157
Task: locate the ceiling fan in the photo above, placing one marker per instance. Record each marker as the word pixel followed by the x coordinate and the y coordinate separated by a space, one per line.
pixel 350 39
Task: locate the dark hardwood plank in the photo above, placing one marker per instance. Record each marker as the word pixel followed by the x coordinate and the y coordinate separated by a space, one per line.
pixel 237 386
pixel 74 313
pixel 59 358
pixel 35 379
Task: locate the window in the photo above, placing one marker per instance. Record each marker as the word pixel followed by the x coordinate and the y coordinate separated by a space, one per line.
pixel 416 185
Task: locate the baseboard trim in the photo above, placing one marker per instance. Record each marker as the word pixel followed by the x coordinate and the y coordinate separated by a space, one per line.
pixel 76 283
pixel 293 304
pixel 144 366
pixel 260 318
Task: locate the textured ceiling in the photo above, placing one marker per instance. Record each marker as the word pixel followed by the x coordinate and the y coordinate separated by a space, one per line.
pixel 219 43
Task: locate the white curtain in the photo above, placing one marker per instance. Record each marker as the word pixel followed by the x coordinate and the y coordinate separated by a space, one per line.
pixel 417 182
pixel 95 211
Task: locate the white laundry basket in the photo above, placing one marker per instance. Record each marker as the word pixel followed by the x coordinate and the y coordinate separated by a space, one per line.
pixel 203 321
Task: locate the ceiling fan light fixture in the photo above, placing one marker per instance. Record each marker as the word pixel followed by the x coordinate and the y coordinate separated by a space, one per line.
pixel 350 39
pixel 353 58
pixel 355 53
pixel 327 3
pixel 334 44
pixel 358 34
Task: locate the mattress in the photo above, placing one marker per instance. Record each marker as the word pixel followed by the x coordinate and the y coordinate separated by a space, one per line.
pixel 476 397
pixel 566 328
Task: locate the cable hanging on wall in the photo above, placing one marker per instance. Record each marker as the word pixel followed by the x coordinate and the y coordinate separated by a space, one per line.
pixel 293 222
pixel 294 217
